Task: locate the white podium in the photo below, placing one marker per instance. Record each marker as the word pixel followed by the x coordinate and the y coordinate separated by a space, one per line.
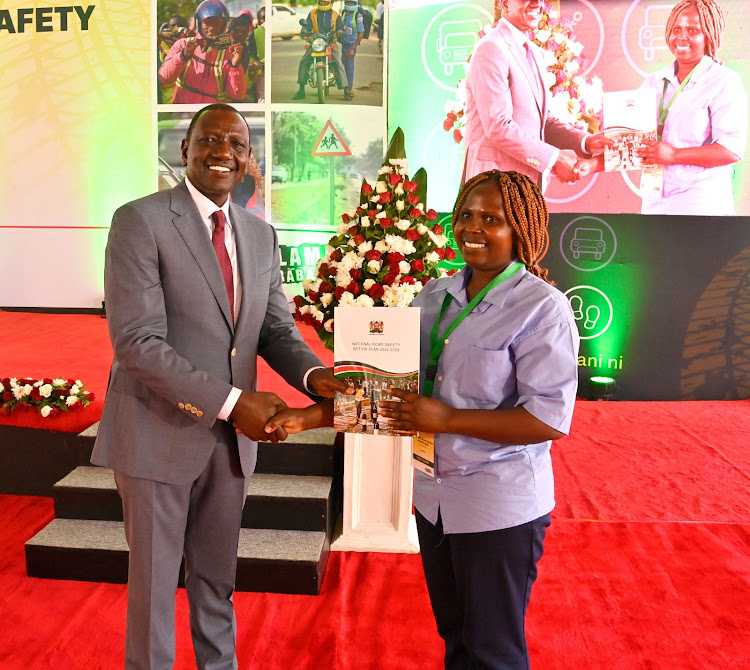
pixel 377 495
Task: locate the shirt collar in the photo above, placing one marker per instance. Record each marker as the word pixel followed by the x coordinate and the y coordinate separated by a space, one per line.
pixel 518 37
pixel 205 206
pixel 496 296
pixel 700 69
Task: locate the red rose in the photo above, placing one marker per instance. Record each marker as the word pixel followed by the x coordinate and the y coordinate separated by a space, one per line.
pixel 394 268
pixel 7 395
pixel 451 273
pixel 353 230
pixel 386 197
pixel 307 318
pixel 62 392
pixel 425 280
pixel 358 239
pixel 297 315
pixel 372 213
pixel 457 136
pixel 395 179
pixel 35 395
pixel 376 291
pixel 317 324
pixel 354 273
pixel 325 287
pixel 354 288
pixel 47 380
pixel 440 252
pixel 333 240
pixel 385 223
pixel 449 254
pixel 299 300
pixel 395 257
pixel 437 229
pixel 312 296
pixel 5 381
pixel 4 411
pixel 415 213
pixel 447 125
pixel 389 278
pixel 412 198
pixel 373 255
pixel 323 271
pixel 345 218
pixel 412 235
pixel 337 255
pixel 359 211
pixel 54 412
pixel 71 382
pixel 432 215
pixel 410 186
pixel 408 280
pixel 366 188
pixel 91 396
pixel 417 266
pixel 340 290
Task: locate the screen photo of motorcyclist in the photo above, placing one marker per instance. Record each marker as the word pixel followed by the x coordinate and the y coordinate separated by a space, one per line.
pixel 207 67
pixel 353 31
pixel 169 33
pixel 241 32
pixel 324 21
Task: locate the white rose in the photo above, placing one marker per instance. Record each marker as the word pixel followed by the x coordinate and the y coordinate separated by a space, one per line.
pixel 380 215
pixel 45 411
pixel 381 246
pixel 400 205
pixel 343 227
pixel 404 268
pixel 328 325
pixel 442 240
pixel 347 300
pixel 549 79
pixel 58 382
pixel 549 58
pixel 45 391
pixel 37 384
pixel 374 267
pixel 304 309
pixel 343 278
pixel 326 299
pixel 399 190
pixel 381 187
pixel 74 389
pixel 432 257
pixel 403 224
pixel 79 383
pixel 543 35
pixel 368 282
pixel 317 313
pixel 2 388
pixel 575 47
pixel 404 172
pixel 364 300
pixel 364 247
pixel 422 229
pixel 365 222
pixel 375 198
pixel 71 400
pixel 386 169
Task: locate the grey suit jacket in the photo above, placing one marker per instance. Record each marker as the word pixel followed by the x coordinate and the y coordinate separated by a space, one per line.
pixel 177 352
pixel 508 125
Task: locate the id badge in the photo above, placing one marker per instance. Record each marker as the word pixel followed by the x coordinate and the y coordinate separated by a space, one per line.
pixel 423 453
pixel 652 182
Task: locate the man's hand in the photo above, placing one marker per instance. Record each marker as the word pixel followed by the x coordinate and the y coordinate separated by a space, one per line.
pixel 565 167
pixel 350 53
pixel 596 144
pixel 416 412
pixel 322 382
pixel 587 166
pixel 190 44
pixel 657 153
pixel 235 54
pixel 297 419
pixel 252 412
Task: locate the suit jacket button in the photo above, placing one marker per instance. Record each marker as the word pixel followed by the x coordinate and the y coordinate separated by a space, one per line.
pixel 193 410
pixel 188 406
pixel 234 351
pixel 181 405
pixel 199 413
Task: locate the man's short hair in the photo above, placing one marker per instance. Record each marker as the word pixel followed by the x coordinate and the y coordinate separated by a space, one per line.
pixel 216 106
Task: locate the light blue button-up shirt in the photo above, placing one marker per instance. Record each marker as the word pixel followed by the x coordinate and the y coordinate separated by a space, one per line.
pixel 517 348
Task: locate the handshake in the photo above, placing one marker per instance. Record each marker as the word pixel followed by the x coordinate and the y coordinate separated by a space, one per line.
pixel 264 416
pixel 570 167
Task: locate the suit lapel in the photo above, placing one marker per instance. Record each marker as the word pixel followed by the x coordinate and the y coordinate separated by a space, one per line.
pixel 244 237
pixel 519 55
pixel 193 231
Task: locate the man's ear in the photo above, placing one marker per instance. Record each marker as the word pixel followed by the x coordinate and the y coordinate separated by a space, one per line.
pixel 184 148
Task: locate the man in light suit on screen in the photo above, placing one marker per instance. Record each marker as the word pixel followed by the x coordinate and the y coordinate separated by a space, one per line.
pixel 508 124
pixel 193 293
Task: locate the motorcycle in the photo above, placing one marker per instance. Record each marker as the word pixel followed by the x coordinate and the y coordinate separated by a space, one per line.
pixel 320 74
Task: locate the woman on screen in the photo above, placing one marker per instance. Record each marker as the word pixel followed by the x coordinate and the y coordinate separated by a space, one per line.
pixel 702 117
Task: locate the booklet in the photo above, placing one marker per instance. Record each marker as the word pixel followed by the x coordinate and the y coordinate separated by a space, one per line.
pixel 629 118
pixel 374 349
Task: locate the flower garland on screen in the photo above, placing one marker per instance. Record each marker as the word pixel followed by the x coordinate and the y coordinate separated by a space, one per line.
pixel 384 252
pixel 574 99
pixel 48 396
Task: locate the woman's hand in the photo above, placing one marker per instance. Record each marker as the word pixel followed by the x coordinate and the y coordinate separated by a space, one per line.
pixel 416 412
pixel 654 152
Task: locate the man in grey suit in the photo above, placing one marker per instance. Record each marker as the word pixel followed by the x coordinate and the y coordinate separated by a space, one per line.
pixel 193 293
pixel 508 123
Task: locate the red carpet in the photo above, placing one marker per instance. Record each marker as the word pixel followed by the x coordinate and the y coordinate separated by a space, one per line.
pixel 646 566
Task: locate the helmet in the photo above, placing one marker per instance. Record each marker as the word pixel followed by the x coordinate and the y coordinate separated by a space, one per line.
pixel 351 5
pixel 325 5
pixel 209 8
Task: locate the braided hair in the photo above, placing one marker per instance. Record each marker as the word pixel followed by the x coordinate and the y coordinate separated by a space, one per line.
pixel 525 211
pixel 712 23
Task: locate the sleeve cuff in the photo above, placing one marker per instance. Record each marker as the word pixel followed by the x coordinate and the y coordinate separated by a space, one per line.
pixel 229 404
pixel 307 374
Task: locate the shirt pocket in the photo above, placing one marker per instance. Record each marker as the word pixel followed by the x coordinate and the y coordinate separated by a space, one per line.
pixel 487 375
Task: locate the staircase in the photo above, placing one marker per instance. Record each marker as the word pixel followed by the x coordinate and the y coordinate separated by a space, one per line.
pixel 287 522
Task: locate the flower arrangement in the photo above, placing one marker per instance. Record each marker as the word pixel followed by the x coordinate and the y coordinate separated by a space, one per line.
pixel 384 252
pixel 48 396
pixel 575 99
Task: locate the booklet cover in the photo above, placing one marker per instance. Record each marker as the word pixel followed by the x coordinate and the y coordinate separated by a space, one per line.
pixel 629 118
pixel 374 349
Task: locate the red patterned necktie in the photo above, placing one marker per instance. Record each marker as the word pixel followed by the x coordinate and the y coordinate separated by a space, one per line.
pixel 534 71
pixel 217 239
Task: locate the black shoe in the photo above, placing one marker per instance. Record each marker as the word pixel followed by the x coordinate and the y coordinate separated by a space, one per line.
pixel 299 95
pixel 347 95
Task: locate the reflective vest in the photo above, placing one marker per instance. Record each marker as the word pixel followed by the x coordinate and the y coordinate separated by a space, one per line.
pixel 314 19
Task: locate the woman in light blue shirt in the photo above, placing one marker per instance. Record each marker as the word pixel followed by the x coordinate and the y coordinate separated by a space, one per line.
pixel 497 389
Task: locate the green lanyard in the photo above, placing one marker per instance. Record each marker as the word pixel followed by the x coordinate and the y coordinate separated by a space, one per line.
pixel 437 342
pixel 663 111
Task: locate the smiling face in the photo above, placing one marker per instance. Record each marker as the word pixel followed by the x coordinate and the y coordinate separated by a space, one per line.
pixel 212 26
pixel 484 237
pixel 523 14
pixel 216 153
pixel 686 40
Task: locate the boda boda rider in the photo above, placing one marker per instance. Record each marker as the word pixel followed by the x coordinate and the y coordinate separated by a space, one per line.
pixel 499 375
pixel 321 20
pixel 201 68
